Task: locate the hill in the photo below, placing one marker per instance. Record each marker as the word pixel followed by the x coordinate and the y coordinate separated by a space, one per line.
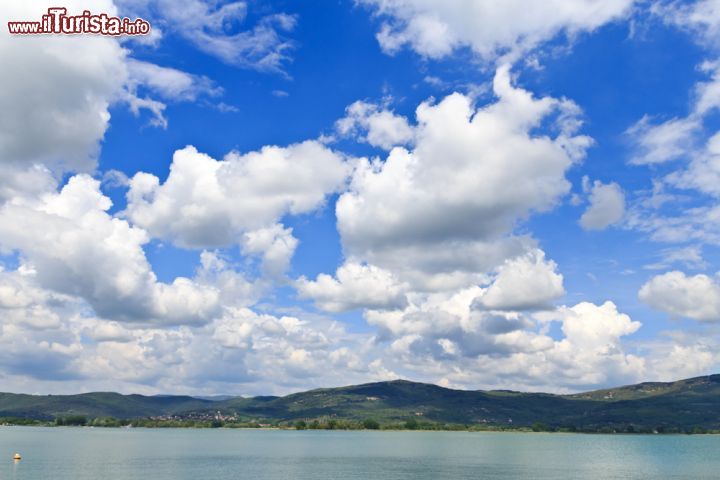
pixel 682 405
pixel 98 404
pixel 686 405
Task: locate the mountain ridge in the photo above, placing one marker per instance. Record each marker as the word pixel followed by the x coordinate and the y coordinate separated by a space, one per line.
pixel 683 405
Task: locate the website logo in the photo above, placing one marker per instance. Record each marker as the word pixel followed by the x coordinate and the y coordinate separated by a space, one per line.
pixel 57 21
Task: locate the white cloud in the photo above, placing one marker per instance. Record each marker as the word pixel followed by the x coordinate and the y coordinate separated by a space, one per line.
pixel 108 332
pixel 419 253
pixel 213 28
pixel 56 92
pixel 701 18
pixel 662 142
pixel 19 181
pixel 167 83
pixel 682 355
pixel 211 203
pixel 592 351
pixel 33 339
pixel 682 139
pixel 690 256
pixel 53 342
pixel 674 212
pixel 436 28
pixel 442 340
pixel 525 282
pixel 24 304
pixel 400 214
pixel 451 318
pixel 696 297
pixel 375 125
pixel 276 245
pixel 83 251
pixel 170 83
pixel 356 286
pixel 680 222
pixel 677 138
pixel 233 287
pixel 448 341
pixel 243 352
pixel 607 206
pixel 589 325
pixel 429 233
pixel 703 172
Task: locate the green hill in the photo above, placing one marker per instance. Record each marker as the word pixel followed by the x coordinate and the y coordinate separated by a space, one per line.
pixel 678 405
pixel 685 405
pixel 399 400
pixel 709 385
pixel 98 404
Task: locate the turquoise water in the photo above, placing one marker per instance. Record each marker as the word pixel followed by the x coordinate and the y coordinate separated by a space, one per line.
pixel 160 454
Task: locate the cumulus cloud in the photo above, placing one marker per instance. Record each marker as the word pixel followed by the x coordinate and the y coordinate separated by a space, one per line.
pixel 33 339
pixel 211 203
pixel 275 245
pixel 400 214
pixel 524 282
pixel 355 286
pixel 24 304
pixel 445 339
pixel 243 351
pixel 682 356
pixel 696 297
pixel 451 341
pixel 591 325
pixel 435 28
pixel 433 255
pixel 442 323
pixel 607 206
pixel 375 125
pixel 84 251
pixel 56 92
pixel 51 341
pixel 25 181
pixel 437 270
pixel 592 350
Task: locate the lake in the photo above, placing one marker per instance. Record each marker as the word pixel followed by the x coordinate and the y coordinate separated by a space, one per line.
pixel 214 454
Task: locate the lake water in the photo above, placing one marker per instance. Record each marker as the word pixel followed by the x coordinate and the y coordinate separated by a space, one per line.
pixel 160 454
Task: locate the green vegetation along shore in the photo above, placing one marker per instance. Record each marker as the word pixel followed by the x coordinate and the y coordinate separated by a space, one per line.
pixel 685 406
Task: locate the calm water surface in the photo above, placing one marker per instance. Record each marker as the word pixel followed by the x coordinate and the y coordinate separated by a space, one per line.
pixel 160 454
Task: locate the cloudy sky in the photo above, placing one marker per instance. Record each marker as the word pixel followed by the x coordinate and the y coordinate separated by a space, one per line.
pixel 265 197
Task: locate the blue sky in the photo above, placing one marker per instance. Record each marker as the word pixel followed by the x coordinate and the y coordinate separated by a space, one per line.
pixel 264 197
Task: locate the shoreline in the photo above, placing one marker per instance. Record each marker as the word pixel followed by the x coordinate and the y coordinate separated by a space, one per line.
pixel 379 430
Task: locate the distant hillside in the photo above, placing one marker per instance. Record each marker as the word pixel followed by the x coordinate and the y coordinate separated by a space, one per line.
pixel 99 404
pixel 684 405
pixel 709 385
pixel 399 400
